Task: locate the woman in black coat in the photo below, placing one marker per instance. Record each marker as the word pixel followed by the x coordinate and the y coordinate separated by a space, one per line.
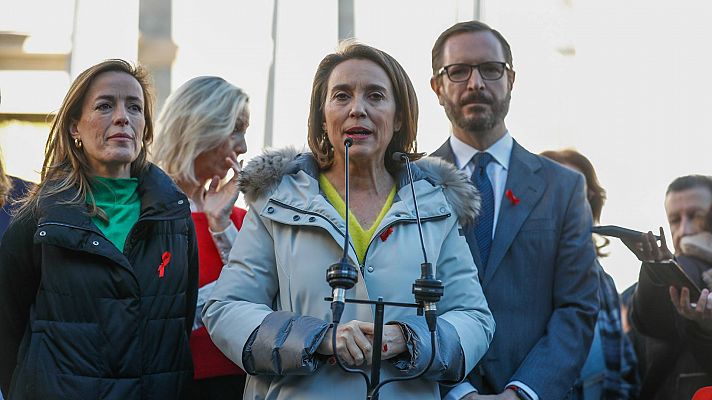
pixel 99 270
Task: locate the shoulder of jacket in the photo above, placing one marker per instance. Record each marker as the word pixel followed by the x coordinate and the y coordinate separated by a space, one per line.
pixel 463 197
pixel 263 173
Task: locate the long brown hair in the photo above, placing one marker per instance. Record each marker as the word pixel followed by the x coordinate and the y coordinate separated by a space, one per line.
pixel 65 166
pixel 595 193
pixel 403 140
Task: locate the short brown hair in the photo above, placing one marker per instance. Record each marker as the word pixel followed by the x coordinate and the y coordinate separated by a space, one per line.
pixel 403 140
pixel 65 165
pixel 464 27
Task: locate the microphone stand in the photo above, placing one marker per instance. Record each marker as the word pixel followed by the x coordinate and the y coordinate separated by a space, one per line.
pixel 343 275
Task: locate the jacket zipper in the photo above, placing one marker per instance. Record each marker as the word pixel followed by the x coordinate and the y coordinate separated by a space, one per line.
pixel 405 220
pixel 401 220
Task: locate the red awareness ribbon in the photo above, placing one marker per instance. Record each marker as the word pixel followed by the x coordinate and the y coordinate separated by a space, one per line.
pixel 512 198
pixel 386 233
pixel 165 259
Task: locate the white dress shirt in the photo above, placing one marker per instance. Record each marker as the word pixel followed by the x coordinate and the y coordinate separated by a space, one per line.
pixel 501 150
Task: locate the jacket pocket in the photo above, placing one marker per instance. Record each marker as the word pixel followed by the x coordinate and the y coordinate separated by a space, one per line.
pixel 69 359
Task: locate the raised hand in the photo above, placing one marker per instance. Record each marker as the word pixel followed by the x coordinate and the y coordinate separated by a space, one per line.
pixel 646 249
pixel 701 312
pixel 219 200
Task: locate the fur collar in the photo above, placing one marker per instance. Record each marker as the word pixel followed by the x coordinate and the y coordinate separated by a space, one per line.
pixel 263 174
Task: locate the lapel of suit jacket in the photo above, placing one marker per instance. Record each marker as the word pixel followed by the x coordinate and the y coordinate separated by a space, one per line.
pixel 528 186
pixel 445 152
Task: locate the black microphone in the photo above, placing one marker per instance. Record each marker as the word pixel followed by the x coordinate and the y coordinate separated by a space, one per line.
pixel 342 275
pixel 427 289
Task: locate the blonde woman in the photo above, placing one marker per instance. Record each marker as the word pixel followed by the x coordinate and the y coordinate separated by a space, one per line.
pixel 200 134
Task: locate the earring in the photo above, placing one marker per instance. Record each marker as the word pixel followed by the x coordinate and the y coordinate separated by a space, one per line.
pixel 78 143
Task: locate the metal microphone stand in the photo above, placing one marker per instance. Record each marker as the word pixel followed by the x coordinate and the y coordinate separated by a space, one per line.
pixel 343 275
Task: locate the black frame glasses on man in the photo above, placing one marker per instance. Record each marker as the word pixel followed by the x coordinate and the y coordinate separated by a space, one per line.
pixel 489 71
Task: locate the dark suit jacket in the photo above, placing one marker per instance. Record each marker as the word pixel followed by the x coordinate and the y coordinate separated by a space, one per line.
pixel 540 281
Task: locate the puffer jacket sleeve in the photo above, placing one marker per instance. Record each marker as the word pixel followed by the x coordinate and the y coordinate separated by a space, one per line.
pixel 239 315
pixel 19 281
pixel 465 325
pixel 193 276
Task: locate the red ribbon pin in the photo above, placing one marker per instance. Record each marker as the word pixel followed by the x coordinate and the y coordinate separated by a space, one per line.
pixel 165 259
pixel 512 198
pixel 386 233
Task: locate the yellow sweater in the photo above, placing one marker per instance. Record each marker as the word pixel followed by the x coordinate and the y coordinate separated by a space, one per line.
pixel 361 238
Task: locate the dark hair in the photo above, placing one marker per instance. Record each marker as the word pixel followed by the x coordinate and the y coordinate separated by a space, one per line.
pixel 595 193
pixel 66 166
pixel 464 27
pixel 690 182
pixel 687 182
pixel 403 140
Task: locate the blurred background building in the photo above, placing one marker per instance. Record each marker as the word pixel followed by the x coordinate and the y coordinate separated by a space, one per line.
pixel 623 81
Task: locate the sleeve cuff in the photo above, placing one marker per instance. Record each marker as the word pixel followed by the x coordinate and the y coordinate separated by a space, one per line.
pixel 224 240
pixel 284 344
pixel 460 391
pixel 532 394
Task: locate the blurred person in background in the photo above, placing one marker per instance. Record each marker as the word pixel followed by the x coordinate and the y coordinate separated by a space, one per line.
pixel 267 311
pixel 99 268
pixel 679 356
pixel 610 370
pixel 199 135
pixel 11 190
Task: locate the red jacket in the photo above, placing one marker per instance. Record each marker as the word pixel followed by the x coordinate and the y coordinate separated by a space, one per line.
pixel 208 360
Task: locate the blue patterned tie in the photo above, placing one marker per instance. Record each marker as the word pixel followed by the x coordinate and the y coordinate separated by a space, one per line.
pixel 483 225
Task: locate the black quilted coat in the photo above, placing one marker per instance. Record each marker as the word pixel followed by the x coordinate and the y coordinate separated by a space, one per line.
pixel 81 320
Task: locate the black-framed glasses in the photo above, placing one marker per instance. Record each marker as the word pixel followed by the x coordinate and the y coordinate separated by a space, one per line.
pixel 489 71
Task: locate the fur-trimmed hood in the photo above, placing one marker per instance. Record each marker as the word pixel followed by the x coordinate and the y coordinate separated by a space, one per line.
pixel 263 174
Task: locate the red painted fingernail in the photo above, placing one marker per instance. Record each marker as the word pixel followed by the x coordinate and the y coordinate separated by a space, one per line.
pixel 385 347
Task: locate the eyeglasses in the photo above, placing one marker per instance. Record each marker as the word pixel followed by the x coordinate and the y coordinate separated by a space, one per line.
pixel 489 71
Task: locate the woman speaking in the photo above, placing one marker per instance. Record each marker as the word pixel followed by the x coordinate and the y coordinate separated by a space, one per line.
pixel 267 312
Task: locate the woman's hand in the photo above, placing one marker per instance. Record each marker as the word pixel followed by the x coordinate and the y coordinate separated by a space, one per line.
pixel 647 249
pixel 353 346
pixel 393 342
pixel 354 342
pixel 700 312
pixel 218 202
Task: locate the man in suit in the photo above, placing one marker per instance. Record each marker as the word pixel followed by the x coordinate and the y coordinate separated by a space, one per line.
pixel 532 242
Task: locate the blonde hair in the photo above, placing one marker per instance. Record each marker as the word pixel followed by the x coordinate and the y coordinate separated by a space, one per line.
pixel 197 117
pixel 66 166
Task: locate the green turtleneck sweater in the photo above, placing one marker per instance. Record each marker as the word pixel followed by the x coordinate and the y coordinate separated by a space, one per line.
pixel 118 197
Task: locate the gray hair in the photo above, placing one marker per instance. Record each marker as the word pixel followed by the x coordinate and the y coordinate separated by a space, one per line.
pixel 196 117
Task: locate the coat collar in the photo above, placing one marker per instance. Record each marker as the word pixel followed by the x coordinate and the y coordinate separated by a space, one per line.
pixel 263 177
pixel 524 181
pixel 160 198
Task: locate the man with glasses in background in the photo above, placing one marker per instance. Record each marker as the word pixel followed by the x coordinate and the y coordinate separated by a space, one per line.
pixel 532 241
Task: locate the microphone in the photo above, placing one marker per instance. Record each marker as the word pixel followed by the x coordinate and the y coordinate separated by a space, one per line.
pixel 342 275
pixel 427 289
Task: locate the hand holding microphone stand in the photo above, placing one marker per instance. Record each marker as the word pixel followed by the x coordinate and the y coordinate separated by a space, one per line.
pixel 343 275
